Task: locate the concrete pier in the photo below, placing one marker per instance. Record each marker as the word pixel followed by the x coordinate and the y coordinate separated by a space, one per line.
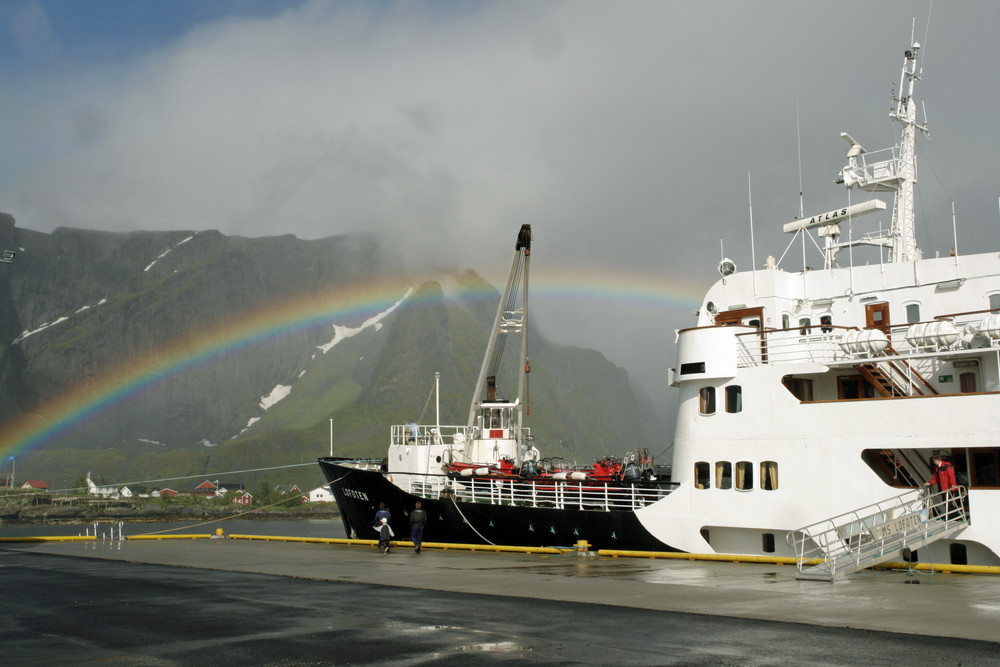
pixel 913 616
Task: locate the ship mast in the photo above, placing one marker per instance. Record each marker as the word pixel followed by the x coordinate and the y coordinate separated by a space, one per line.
pixel 904 248
pixel 898 173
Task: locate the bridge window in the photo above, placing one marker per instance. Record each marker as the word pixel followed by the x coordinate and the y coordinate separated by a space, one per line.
pixel 744 475
pixel 693 367
pixel 912 313
pixel 826 323
pixel 769 475
pixel 701 475
pixel 723 475
pixel 804 323
pixel 707 397
pixel 734 398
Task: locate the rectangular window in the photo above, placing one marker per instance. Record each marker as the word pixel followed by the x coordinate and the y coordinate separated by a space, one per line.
pixel 958 553
pixel 805 323
pixel 850 387
pixel 707 395
pixel 912 313
pixel 768 543
pixel 786 321
pixel 826 323
pixel 693 367
pixel 701 475
pixel 769 475
pixel 995 303
pixel 985 468
pixel 723 475
pixel 734 398
pixel 744 475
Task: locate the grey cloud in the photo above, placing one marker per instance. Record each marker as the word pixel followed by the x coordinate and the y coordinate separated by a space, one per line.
pixel 624 132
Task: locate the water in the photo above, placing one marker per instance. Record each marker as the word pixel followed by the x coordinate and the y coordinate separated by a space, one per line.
pixel 283 528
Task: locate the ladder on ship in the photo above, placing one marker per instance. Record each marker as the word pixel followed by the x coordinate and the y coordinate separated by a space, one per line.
pixel 835 547
pixel 892 376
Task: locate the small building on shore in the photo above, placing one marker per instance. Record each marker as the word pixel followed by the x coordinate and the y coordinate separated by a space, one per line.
pixel 245 498
pixel 320 494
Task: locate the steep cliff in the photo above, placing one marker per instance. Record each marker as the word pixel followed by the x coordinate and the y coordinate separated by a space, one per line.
pixel 232 352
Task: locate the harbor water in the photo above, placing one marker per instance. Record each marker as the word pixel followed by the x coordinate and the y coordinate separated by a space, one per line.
pixel 104 529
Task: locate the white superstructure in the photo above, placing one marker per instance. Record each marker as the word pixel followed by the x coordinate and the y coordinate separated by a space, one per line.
pixel 811 403
pixel 805 395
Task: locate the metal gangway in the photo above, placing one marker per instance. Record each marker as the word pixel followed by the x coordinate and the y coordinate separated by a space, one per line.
pixel 832 548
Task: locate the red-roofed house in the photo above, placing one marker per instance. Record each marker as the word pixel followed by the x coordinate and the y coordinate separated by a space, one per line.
pixel 35 484
pixel 206 488
pixel 243 499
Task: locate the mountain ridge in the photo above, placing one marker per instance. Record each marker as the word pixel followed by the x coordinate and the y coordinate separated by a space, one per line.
pixel 79 306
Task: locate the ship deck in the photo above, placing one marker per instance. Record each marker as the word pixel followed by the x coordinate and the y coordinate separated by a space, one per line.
pixel 438 587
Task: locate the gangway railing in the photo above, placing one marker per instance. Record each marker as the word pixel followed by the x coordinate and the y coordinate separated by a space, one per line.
pixel 863 538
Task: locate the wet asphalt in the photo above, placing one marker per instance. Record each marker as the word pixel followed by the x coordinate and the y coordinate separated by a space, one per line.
pixel 73 605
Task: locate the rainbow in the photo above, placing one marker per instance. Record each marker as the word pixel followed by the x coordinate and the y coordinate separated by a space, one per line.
pixel 356 301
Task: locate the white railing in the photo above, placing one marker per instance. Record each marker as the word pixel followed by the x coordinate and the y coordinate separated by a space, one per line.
pixel 605 497
pixel 819 343
pixel 869 535
pixel 878 165
pixel 432 434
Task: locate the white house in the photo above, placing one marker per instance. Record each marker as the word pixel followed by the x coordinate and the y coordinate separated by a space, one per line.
pixel 321 494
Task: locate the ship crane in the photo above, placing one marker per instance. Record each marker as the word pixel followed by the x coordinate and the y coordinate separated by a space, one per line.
pixel 496 424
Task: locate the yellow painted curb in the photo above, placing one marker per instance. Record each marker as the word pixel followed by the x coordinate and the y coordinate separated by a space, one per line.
pixel 168 537
pixel 403 543
pixel 728 558
pixel 943 569
pixel 62 538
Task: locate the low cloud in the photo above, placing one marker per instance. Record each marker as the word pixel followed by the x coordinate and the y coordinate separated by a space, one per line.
pixel 624 133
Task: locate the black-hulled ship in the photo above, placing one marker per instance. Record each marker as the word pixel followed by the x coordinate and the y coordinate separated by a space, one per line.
pixel 485 482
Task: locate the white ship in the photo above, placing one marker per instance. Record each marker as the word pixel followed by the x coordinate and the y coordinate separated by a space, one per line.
pixel 810 405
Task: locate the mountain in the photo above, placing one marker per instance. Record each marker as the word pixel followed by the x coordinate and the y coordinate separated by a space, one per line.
pixel 186 353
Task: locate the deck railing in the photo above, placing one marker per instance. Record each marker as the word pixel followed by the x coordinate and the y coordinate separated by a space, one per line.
pixel 539 493
pixel 821 343
pixel 445 434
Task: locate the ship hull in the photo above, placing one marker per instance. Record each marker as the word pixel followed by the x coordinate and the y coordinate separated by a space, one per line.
pixel 358 493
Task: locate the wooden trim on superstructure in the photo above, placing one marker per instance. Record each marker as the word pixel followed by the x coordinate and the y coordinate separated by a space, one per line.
pixel 894 398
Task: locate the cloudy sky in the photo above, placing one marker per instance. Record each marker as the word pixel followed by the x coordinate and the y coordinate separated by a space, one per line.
pixel 624 132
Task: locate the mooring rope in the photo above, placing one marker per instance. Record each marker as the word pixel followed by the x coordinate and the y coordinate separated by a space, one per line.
pixel 469 524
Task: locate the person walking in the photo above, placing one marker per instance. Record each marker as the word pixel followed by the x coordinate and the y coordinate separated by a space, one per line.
pixel 418 519
pixel 382 513
pixel 385 534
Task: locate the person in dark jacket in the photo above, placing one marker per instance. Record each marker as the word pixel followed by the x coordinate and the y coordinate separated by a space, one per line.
pixel 382 513
pixel 418 519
